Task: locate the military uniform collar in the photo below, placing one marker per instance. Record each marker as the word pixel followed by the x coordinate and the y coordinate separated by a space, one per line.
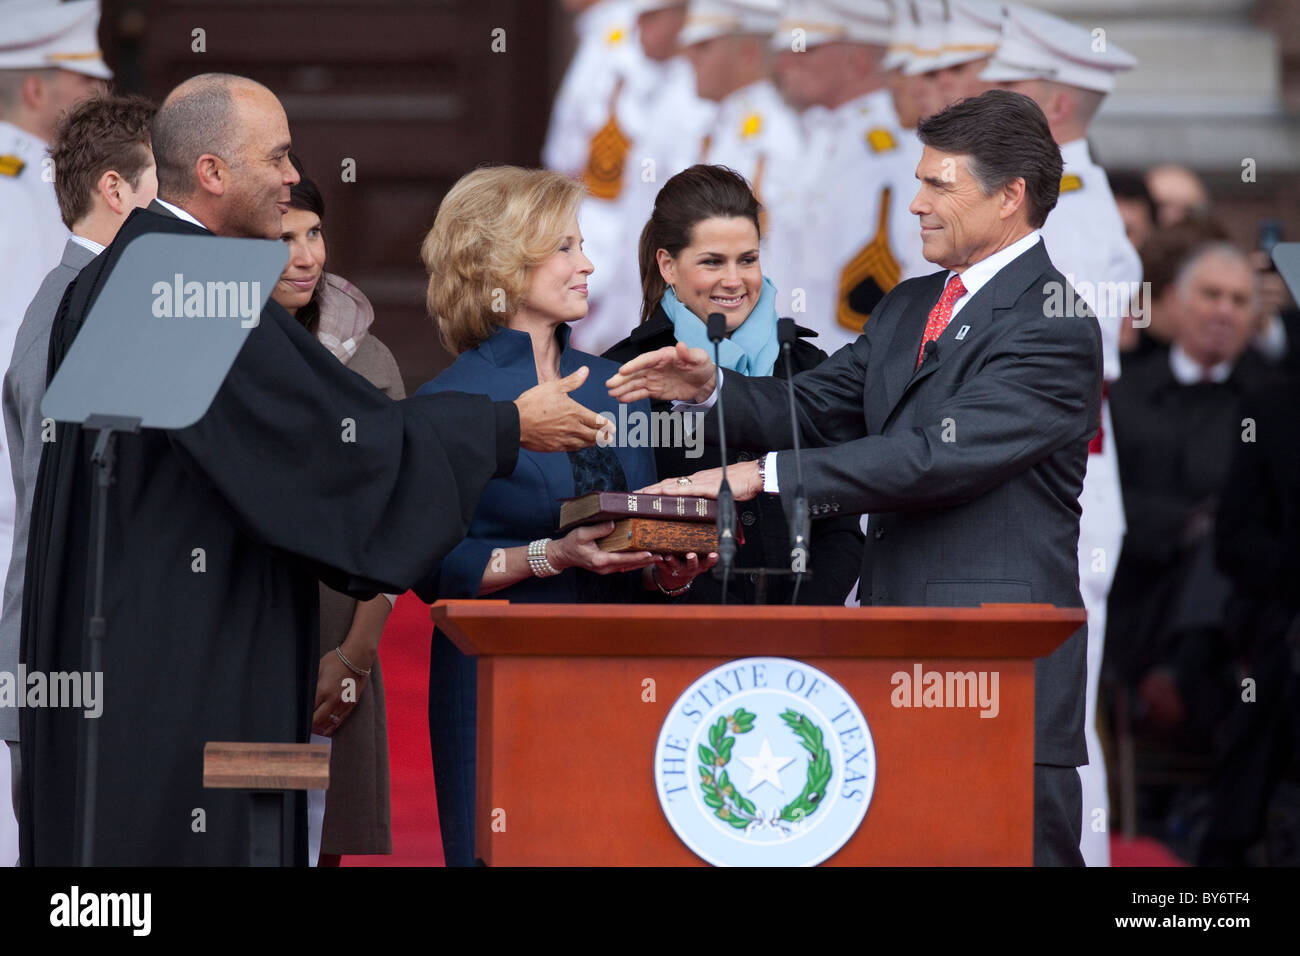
pixel 31 149
pixel 757 97
pixel 1075 153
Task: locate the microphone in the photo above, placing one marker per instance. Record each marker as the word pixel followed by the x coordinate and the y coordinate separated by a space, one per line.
pixel 799 531
pixel 726 501
pixel 931 351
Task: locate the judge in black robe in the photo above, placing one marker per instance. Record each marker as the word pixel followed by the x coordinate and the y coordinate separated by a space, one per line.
pixel 217 536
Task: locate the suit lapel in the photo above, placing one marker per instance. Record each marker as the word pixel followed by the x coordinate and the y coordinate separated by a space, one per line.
pixel 976 316
pixel 900 357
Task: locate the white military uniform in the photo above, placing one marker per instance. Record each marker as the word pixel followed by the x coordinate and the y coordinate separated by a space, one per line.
pixel 857 239
pixel 664 121
pixel 32 235
pixel 589 136
pixel 758 136
pixel 1086 241
pixel 605 33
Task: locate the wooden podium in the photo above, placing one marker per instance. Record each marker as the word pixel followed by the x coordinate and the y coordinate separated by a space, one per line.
pixel 567 736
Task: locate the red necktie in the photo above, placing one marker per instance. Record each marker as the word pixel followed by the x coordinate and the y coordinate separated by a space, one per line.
pixel 941 314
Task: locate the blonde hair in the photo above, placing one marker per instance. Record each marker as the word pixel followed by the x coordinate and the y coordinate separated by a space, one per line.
pixel 493 228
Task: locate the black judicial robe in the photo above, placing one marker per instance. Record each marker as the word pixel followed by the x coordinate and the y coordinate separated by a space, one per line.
pixel 217 535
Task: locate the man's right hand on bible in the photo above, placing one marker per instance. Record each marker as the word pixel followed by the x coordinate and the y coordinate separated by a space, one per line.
pixel 549 420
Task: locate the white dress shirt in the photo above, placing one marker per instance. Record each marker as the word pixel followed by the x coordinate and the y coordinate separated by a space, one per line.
pixel 1188 371
pixel 180 213
pixel 90 244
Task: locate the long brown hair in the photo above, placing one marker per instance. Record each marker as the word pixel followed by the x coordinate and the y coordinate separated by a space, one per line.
pixel 697 193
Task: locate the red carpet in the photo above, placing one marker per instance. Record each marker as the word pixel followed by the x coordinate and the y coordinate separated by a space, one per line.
pixel 1142 851
pixel 404 654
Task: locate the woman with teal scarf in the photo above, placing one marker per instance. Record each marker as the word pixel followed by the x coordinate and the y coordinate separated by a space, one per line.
pixel 699 254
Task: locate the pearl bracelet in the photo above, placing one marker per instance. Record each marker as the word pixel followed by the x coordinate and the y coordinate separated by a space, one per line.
pixel 538 561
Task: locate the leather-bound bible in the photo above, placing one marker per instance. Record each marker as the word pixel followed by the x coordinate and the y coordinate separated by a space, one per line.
pixel 661 536
pixel 601 506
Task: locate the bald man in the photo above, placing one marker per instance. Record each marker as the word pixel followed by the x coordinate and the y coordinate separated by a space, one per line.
pixel 218 533
pixel 1179 194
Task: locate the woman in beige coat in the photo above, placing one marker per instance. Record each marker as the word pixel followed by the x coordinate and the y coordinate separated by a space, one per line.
pixel 349 691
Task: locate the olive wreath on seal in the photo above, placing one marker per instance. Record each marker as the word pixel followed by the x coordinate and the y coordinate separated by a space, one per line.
pixel 733 807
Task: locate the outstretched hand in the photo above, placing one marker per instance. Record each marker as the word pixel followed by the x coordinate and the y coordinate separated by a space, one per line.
pixel 549 420
pixel 674 372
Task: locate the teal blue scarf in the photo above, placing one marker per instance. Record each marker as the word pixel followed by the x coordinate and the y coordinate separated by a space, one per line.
pixel 750 350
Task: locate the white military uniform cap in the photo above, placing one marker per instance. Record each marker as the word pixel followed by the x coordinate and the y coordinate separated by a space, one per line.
pixel 970 31
pixel 43 34
pixel 902 37
pixel 836 21
pixel 1039 46
pixel 706 19
pixel 929 20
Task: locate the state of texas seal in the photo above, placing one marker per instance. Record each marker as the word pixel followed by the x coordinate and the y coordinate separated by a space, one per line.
pixel 765 762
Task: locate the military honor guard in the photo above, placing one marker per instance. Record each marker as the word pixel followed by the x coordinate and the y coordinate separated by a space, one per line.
pixel 904 88
pixel 49 60
pixel 753 132
pixel 605 33
pixel 588 134
pixel 651 132
pixel 1065 70
pixel 954 42
pixel 856 237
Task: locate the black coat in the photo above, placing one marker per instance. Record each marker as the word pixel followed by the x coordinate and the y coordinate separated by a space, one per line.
pixel 836 545
pixel 225 650
pixel 1175 444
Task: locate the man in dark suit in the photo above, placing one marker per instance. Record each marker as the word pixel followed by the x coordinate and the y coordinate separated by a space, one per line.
pixel 959 420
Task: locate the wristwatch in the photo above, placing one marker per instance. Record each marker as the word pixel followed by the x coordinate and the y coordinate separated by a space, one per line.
pixel 762 472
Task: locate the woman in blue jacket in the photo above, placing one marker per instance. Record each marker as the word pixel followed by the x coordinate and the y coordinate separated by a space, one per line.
pixel 506 276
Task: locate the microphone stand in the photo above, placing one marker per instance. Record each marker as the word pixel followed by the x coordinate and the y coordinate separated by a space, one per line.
pixel 726 500
pixel 799 530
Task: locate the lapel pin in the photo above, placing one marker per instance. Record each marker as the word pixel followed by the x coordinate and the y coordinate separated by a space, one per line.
pixel 961 333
